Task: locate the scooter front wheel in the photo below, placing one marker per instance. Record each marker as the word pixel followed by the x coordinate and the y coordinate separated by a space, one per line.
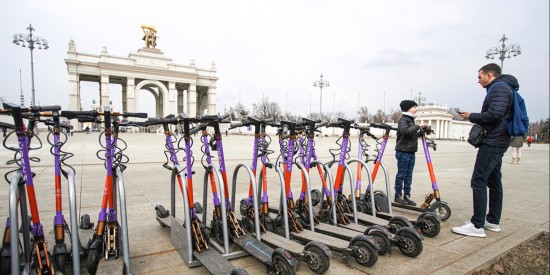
pixel 5 264
pixel 441 209
pixel 60 262
pixel 92 261
pixel 317 260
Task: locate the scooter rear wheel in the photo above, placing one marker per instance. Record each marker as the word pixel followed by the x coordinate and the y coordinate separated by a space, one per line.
pixel 430 226
pixel 409 244
pixel 317 261
pixel 366 255
pixel 383 241
pixel 441 209
pixel 247 224
pixel 282 267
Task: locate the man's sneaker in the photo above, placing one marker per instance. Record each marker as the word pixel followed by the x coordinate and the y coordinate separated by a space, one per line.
pixel 469 230
pixel 409 201
pixel 491 226
pixel 400 200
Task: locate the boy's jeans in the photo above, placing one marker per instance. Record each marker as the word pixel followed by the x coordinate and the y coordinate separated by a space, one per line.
pixel 405 166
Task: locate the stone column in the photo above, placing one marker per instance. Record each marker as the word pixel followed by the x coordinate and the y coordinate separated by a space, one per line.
pixel 438 133
pixel 131 101
pixel 74 96
pixel 74 92
pixel 104 91
pixel 172 99
pixel 192 100
pixel 180 100
pixel 212 100
pixel 129 97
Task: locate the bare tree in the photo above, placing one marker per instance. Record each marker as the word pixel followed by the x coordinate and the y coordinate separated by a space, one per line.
pixel 238 112
pixel 395 115
pixel 379 117
pixel 320 116
pixel 338 115
pixel 363 115
pixel 288 116
pixel 266 109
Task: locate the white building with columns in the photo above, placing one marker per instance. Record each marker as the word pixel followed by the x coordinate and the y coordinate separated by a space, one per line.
pixel 176 88
pixel 441 122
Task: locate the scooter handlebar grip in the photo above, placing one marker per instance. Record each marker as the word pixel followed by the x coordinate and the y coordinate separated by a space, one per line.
pixel 196 129
pixel 88 119
pixel 74 114
pixel 7 125
pixel 130 114
pixel 236 124
pixel 66 126
pixel 224 117
pixel 48 108
pixel 362 126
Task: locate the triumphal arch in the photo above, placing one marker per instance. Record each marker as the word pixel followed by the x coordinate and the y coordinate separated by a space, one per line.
pixel 175 87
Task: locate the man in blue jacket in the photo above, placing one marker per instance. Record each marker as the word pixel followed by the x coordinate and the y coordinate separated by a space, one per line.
pixel 487 168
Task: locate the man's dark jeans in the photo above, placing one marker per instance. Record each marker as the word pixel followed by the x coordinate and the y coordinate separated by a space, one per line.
pixel 487 174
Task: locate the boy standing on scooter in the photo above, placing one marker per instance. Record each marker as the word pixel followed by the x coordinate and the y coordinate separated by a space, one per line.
pixel 405 149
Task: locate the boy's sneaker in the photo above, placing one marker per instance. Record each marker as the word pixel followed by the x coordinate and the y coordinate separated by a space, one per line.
pixel 491 226
pixel 409 201
pixel 400 200
pixel 469 229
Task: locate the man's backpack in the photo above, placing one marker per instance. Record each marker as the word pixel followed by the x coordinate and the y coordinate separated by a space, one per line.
pixel 519 122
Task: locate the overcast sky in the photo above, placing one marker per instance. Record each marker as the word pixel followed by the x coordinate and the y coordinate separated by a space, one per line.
pixel 277 49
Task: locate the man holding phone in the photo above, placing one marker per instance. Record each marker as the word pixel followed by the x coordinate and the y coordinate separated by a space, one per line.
pixel 487 168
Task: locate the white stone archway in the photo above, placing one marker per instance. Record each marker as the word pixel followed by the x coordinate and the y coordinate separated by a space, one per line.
pixel 162 96
pixel 177 88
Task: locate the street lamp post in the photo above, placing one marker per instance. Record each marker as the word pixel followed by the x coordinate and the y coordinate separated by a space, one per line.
pixel 321 84
pixel 30 42
pixel 503 51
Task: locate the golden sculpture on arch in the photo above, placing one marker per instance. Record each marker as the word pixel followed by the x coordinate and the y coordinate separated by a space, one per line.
pixel 149 36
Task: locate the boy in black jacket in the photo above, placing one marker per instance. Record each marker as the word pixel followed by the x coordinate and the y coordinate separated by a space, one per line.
pixel 406 147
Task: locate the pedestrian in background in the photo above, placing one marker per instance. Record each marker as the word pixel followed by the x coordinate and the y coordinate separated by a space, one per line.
pixel 516 143
pixel 529 140
pixel 405 149
pixel 487 169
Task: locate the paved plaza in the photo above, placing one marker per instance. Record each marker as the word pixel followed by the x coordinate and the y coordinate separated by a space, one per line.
pixel 525 213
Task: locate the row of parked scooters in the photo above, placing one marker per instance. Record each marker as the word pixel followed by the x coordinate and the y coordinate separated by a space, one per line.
pixel 311 228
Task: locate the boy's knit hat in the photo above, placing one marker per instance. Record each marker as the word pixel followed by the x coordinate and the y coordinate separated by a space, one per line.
pixel 407 104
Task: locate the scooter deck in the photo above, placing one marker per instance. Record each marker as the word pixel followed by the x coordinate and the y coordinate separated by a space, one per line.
pixel 333 243
pixel 368 219
pixel 167 221
pixel 211 259
pixel 275 240
pixel 214 262
pixel 354 227
pixel 339 232
pixel 254 247
pixel 111 266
